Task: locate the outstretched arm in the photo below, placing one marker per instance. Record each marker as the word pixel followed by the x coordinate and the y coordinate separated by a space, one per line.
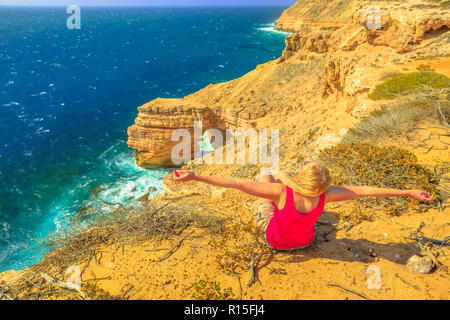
pixel 270 191
pixel 335 194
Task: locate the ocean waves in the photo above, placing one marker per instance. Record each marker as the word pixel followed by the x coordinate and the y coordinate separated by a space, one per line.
pixel 67 98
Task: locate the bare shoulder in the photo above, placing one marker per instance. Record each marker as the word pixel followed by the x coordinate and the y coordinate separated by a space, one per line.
pixel 280 188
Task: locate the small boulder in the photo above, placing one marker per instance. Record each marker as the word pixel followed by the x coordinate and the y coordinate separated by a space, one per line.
pixel 95 191
pixel 144 198
pixel 420 264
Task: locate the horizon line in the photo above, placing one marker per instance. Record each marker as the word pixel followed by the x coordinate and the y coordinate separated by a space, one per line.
pixel 141 6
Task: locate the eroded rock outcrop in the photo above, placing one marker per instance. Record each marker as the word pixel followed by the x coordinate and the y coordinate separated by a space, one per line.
pixel 313 42
pixel 151 134
pixel 315 15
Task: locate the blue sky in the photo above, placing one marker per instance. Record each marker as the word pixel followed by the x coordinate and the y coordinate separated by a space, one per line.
pixel 150 2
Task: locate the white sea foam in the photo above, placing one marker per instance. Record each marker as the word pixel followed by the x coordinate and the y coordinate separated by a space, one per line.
pixel 134 182
pixel 272 28
pixel 10 104
pixel 42 130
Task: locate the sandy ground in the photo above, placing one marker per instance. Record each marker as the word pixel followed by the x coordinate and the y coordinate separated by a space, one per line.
pixel 337 257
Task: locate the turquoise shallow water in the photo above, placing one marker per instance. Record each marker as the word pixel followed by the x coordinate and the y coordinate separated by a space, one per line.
pixel 68 96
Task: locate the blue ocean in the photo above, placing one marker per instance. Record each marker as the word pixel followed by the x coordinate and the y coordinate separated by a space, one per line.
pixel 68 96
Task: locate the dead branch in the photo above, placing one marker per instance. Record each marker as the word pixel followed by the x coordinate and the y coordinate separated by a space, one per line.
pixel 362 295
pixel 175 248
pixel 252 267
pixel 406 282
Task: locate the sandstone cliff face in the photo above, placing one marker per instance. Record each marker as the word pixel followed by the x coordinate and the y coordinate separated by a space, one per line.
pixel 398 24
pixel 362 41
pixel 330 63
pixel 315 15
pixel 151 134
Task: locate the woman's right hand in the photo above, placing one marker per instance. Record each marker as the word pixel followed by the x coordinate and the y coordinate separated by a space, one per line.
pixel 182 176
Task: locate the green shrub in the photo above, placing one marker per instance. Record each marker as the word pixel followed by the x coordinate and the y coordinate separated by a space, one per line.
pixel 313 132
pixel 210 290
pixel 424 67
pixel 403 84
pixel 94 292
pixel 445 5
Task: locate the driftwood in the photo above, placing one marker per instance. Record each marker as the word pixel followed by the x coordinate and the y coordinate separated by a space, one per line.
pixel 240 286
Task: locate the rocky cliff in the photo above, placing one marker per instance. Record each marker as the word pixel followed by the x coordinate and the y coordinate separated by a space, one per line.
pixel 314 15
pixel 338 52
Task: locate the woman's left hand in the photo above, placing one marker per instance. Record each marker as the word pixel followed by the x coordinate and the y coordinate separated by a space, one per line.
pixel 421 196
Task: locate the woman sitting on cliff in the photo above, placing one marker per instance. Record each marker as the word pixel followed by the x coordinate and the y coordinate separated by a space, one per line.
pixel 289 207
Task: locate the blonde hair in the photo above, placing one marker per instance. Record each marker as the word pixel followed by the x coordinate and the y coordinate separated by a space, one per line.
pixel 312 180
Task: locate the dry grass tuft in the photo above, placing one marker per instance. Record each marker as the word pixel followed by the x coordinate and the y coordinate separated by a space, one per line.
pixel 401 118
pixel 160 220
pixel 238 246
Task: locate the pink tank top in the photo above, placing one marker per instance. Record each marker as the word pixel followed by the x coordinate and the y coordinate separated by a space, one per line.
pixel 289 229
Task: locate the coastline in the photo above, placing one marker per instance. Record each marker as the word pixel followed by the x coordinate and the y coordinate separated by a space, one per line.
pixel 318 88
